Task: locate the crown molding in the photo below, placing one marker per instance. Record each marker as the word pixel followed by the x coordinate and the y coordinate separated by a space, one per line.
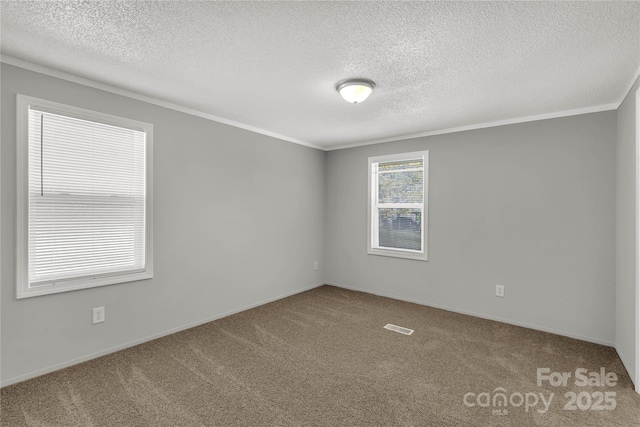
pixel 144 98
pixel 555 115
pixel 628 89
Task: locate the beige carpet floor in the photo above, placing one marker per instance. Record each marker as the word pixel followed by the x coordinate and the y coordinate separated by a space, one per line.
pixel 322 358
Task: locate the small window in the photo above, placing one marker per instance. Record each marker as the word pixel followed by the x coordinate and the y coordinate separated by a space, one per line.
pixel 398 205
pixel 84 198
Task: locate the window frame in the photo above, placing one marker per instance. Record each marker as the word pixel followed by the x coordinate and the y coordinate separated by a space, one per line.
pixel 23 285
pixel 372 226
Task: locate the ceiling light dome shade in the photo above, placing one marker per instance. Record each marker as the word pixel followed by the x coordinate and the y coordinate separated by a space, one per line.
pixel 355 90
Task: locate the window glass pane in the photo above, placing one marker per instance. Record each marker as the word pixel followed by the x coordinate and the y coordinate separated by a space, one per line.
pixel 400 228
pixel 401 187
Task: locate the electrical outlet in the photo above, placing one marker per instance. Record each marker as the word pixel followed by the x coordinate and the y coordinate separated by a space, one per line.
pixel 500 291
pixel 98 315
pixel 315 265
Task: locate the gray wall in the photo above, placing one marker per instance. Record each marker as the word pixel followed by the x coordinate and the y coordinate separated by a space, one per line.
pixel 627 338
pixel 529 206
pixel 238 220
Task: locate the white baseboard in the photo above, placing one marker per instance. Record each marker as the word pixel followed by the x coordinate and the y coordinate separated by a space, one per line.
pixel 480 315
pixel 626 365
pixel 624 362
pixel 110 350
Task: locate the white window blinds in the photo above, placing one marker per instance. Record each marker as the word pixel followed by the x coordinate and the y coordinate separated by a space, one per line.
pixel 86 196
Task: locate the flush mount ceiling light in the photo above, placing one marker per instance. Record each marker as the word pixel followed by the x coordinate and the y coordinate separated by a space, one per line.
pixel 355 90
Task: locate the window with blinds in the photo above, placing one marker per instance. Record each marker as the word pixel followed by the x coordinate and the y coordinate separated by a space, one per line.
pixel 397 205
pixel 87 216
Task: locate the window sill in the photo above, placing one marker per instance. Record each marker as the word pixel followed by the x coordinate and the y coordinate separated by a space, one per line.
pixel 84 283
pixel 398 254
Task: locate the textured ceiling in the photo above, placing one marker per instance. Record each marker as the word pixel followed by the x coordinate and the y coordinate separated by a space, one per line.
pixel 273 66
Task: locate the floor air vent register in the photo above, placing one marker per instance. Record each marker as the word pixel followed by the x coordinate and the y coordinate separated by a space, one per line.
pixel 400 329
